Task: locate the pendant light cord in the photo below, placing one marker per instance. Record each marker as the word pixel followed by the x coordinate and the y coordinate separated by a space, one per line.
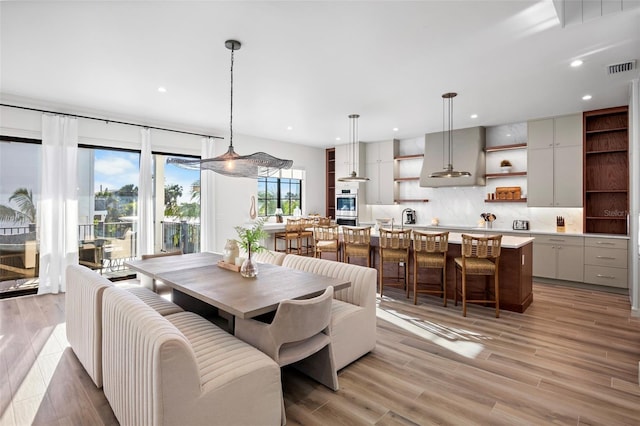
pixel 231 108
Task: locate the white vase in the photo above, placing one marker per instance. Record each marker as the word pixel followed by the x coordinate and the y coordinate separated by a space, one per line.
pixel 505 169
pixel 230 251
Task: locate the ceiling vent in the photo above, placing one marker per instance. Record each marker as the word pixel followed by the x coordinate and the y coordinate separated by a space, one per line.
pixel 621 67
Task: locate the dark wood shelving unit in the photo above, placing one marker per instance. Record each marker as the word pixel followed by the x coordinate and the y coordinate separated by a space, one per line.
pixel 330 156
pixel 606 171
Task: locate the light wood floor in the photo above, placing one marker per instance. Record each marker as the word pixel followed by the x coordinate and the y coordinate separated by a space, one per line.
pixel 572 358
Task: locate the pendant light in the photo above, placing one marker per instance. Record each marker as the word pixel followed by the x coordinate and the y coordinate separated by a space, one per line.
pixel 258 164
pixel 353 142
pixel 448 171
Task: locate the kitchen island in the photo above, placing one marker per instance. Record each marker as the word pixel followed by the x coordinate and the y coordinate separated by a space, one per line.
pixel 515 268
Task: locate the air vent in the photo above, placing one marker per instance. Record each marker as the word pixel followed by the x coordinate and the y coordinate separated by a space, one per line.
pixel 622 67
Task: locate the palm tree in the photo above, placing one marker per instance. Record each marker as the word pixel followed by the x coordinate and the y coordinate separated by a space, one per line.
pixel 26 209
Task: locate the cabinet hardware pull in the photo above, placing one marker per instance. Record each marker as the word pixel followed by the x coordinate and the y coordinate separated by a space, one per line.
pixel 611 277
pixel 606 257
pixel 604 243
pixel 556 239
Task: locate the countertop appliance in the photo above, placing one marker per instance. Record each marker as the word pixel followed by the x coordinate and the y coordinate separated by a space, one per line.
pixel 409 216
pixel 522 225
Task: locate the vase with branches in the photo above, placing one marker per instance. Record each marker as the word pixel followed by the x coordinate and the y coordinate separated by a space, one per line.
pixel 250 241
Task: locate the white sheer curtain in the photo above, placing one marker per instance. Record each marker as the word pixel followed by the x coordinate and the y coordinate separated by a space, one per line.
pixel 58 207
pixel 207 208
pixel 145 196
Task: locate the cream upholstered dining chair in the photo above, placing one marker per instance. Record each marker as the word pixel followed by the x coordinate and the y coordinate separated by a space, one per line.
pixel 430 252
pixel 150 283
pixel 327 240
pixel 297 334
pixel 480 256
pixel 356 242
pixel 394 248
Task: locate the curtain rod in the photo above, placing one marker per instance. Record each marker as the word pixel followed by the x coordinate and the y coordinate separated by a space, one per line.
pixel 106 120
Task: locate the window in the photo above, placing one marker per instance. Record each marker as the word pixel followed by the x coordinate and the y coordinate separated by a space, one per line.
pixel 284 192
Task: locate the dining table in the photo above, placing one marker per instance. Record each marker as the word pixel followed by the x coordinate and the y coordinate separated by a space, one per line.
pixel 199 285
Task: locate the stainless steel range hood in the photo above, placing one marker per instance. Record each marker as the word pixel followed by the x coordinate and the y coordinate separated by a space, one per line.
pixel 468 155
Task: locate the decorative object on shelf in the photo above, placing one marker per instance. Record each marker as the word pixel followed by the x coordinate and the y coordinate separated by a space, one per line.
pixel 448 171
pixel 353 141
pixel 258 164
pixel 505 166
pixel 560 224
pixel 249 240
pixel 252 208
pixel 230 251
pixel 279 214
pixel 435 221
pixel 508 193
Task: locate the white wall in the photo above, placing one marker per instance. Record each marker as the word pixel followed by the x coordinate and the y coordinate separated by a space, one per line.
pixel 232 195
pixel 634 202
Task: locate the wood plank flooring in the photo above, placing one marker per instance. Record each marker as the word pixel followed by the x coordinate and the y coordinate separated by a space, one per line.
pixel 571 358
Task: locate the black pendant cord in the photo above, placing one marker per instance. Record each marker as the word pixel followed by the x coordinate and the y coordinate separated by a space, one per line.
pixel 231 109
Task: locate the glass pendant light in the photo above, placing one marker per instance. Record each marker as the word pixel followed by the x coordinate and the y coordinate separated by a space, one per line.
pixel 353 136
pixel 448 171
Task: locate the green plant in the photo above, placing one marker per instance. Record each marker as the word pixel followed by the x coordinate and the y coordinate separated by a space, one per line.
pixel 249 239
pixel 505 163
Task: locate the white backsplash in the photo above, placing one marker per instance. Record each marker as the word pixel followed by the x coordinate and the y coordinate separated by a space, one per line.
pixel 463 206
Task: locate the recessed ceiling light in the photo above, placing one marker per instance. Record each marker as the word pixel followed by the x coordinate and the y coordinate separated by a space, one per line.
pixel 474 115
pixel 289 128
pixel 162 89
pixel 395 129
pixel 576 63
pixel 508 135
pixel 338 138
pixel 586 97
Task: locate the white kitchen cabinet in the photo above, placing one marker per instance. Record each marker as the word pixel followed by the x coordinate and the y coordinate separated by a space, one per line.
pixel 554 162
pixel 380 169
pixel 559 257
pixel 605 261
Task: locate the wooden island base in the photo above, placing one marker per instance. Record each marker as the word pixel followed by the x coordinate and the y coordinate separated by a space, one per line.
pixel 515 275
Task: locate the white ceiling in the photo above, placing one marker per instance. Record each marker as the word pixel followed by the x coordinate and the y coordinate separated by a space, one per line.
pixel 310 64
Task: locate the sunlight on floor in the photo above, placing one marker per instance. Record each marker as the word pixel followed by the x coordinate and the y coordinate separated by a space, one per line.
pixel 31 390
pixel 450 339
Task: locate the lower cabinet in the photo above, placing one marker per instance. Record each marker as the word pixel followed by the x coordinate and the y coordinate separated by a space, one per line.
pixel 605 261
pixel 558 257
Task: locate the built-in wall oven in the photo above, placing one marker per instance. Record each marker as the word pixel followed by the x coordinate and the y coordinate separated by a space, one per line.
pixel 347 207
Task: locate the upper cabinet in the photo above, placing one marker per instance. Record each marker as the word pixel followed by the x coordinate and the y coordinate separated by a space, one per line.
pixel 606 174
pixel 468 155
pixel 554 162
pixel 379 167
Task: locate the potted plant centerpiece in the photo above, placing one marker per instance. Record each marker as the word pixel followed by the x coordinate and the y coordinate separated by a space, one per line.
pixel 249 240
pixel 505 166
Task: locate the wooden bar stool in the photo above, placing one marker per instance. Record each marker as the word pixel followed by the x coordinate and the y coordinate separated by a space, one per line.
pixel 326 240
pixel 430 251
pixel 394 247
pixel 306 234
pixel 480 256
pixel 356 242
pixel 291 233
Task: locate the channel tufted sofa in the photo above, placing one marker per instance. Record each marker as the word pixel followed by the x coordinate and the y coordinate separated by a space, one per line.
pixel 181 369
pixel 353 314
pixel 83 310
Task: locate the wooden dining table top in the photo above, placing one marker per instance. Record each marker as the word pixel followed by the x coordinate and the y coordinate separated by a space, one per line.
pixel 199 276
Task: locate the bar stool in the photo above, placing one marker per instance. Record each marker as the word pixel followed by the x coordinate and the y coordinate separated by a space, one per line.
pixel 430 251
pixel 480 256
pixel 326 240
pixel 306 233
pixel 356 242
pixel 291 233
pixel 394 247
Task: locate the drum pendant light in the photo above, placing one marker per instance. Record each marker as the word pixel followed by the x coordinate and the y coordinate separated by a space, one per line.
pixel 448 171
